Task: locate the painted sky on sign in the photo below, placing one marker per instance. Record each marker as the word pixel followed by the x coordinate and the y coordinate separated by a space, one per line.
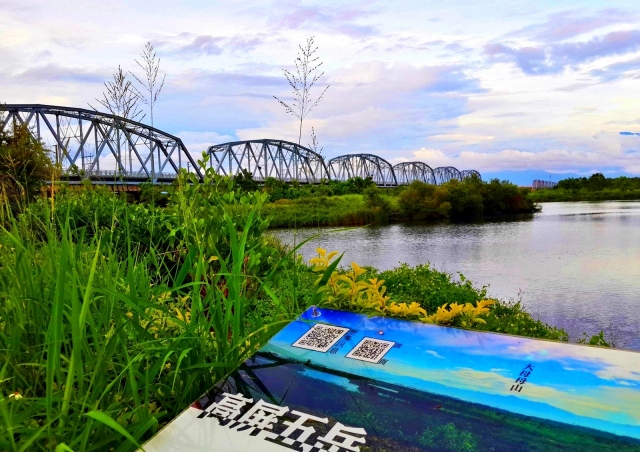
pixel 528 89
pixel 579 385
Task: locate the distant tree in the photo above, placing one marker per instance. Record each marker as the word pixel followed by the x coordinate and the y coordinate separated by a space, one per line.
pixel 244 180
pixel 305 76
pixel 149 83
pixel 120 97
pixel 597 181
pixel 25 165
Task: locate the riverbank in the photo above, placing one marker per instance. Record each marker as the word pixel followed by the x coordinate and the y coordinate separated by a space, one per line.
pixel 568 195
pixel 573 265
pixel 346 210
pixel 594 188
pixel 367 204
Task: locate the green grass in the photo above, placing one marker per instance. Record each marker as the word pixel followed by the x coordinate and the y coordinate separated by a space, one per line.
pixel 301 206
pixel 98 347
pixel 345 210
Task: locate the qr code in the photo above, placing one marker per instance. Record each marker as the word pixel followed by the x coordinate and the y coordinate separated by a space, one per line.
pixel 370 350
pixel 321 337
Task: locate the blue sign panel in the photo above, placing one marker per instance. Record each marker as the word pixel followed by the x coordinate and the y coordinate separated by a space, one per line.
pixel 338 381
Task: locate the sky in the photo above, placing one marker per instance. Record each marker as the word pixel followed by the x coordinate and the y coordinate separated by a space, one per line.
pixel 517 90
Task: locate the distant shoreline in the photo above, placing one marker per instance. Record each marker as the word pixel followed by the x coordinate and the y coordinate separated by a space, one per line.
pixel 560 195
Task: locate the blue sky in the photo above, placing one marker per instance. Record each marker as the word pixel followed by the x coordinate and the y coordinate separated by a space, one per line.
pixel 587 386
pixel 521 90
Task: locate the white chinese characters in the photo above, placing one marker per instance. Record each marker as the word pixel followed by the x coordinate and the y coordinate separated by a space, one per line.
pixel 262 418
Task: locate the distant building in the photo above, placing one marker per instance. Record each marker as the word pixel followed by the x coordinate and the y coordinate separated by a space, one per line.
pixel 543 184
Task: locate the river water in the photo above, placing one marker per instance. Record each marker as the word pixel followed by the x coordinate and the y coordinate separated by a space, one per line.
pixel 575 265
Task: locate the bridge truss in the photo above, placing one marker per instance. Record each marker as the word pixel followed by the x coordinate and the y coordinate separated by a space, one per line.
pixel 279 159
pixel 100 146
pixel 407 172
pixel 445 174
pixel 111 149
pixel 364 166
pixel 465 174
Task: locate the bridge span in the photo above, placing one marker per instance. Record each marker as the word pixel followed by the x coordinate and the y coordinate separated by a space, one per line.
pixel 109 149
pixel 101 146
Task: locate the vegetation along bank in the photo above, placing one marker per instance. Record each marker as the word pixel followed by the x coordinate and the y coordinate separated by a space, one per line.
pixel 593 188
pixel 358 201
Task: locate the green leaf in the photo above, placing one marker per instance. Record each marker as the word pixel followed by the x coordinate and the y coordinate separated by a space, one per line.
pixel 111 423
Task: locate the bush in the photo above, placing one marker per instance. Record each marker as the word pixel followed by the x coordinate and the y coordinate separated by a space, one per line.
pixel 420 201
pixel 432 288
pixel 25 166
pixel 375 198
pixel 154 195
pixel 244 181
pixel 464 200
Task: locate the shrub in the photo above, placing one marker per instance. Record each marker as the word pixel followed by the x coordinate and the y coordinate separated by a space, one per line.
pixel 424 294
pixel 353 291
pixel 465 199
pixel 25 166
pixel 155 195
pixel 420 201
pixel 244 181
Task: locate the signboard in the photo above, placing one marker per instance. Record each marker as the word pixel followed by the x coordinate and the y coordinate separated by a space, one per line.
pixel 343 382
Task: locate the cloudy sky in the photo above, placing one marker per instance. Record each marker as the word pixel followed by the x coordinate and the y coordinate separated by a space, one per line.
pixel 518 90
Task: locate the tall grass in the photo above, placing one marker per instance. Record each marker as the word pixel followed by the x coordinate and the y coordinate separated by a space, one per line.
pixel 345 210
pixel 97 350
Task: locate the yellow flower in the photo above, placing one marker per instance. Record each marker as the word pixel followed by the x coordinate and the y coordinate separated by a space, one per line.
pixel 323 260
pixel 402 310
pixel 357 270
pixel 16 395
pixel 185 317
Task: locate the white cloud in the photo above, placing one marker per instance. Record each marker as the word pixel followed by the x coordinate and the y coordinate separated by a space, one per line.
pixel 435 354
pixel 199 141
pixel 409 82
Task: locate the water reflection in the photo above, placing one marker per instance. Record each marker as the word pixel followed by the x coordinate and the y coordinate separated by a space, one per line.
pixel 577 264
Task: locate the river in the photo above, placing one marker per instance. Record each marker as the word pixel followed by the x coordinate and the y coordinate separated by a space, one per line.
pixel 575 265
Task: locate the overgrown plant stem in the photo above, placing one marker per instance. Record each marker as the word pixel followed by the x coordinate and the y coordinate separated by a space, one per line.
pixel 150 65
pixel 305 76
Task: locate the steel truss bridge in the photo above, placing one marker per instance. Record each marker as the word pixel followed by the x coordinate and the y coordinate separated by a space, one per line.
pixel 102 147
pixel 110 149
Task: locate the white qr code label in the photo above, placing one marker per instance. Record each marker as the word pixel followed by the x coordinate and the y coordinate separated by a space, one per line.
pixel 321 337
pixel 370 350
